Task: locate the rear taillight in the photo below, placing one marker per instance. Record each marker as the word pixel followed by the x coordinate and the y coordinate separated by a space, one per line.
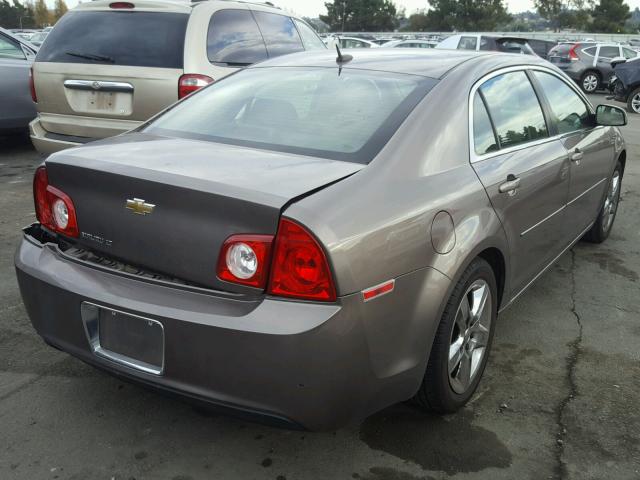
pixel 244 259
pixel 32 86
pixel 573 56
pixel 121 5
pixel 54 208
pixel 190 82
pixel 299 268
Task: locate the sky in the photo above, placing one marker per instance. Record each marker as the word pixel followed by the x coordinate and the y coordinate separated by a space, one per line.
pixel 312 8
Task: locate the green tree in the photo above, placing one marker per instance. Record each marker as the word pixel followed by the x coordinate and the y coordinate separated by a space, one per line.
pixel 466 15
pixel 360 15
pixel 41 13
pixel 59 10
pixel 564 13
pixel 610 16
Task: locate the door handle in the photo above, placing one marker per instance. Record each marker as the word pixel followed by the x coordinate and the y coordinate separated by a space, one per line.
pixel 576 156
pixel 510 186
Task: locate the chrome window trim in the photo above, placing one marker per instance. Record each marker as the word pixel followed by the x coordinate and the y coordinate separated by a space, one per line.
pixel 473 156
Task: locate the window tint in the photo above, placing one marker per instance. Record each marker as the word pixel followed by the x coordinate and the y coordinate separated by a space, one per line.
pixel 590 51
pixel 608 52
pixel 468 43
pixel 309 37
pixel 628 53
pixel 485 44
pixel 10 49
pixel 570 111
pixel 279 34
pixel 484 139
pixel 514 109
pixel 234 38
pixel 346 115
pixel 142 39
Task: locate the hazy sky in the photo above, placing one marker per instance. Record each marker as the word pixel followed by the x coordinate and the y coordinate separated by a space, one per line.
pixel 312 8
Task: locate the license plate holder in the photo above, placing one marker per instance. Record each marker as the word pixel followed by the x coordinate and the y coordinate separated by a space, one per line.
pixel 130 340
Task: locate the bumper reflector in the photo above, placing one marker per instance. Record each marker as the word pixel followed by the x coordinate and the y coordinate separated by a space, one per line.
pixel 378 290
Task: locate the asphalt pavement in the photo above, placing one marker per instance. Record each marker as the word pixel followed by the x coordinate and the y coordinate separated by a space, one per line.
pixel 560 397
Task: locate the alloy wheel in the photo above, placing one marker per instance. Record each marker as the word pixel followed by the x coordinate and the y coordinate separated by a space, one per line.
pixel 590 83
pixel 611 202
pixel 469 336
pixel 635 103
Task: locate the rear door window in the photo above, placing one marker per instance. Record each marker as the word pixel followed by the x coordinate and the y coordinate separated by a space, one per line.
pixel 468 43
pixel 234 39
pixel 484 139
pixel 309 37
pixel 591 51
pixel 10 49
pixel 514 109
pixel 608 53
pixel 141 39
pixel 279 33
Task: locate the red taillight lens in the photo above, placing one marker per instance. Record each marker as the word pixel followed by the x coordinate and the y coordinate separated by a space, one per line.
pixel 32 86
pixel 121 5
pixel 54 208
pixel 244 259
pixel 190 82
pixel 299 267
pixel 572 52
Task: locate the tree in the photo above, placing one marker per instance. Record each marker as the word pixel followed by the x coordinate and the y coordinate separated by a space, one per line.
pixel 15 15
pixel 610 16
pixel 41 13
pixel 466 15
pixel 360 15
pixel 564 13
pixel 59 10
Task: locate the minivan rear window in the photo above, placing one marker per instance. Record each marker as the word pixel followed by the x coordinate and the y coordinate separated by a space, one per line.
pixel 140 39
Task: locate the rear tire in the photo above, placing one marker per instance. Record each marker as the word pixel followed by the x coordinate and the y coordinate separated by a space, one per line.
pixel 590 81
pixel 462 344
pixel 604 222
pixel 633 101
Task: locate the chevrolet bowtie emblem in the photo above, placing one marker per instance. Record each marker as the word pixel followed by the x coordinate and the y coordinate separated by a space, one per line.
pixel 139 207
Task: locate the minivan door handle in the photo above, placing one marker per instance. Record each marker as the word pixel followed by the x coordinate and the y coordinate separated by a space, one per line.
pixel 510 186
pixel 576 156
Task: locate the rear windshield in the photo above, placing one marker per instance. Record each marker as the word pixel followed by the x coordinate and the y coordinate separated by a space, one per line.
pixel 347 115
pixel 141 39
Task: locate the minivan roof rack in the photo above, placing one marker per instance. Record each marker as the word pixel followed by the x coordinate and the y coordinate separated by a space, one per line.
pixel 267 3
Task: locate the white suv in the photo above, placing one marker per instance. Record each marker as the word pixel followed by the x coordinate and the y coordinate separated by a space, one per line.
pixel 110 65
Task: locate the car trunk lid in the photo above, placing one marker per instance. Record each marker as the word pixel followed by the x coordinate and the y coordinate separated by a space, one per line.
pixel 190 196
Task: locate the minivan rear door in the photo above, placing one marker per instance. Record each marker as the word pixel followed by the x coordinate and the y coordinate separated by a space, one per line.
pixel 110 64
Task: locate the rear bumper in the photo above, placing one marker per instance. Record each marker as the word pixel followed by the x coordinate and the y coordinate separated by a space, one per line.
pixel 300 364
pixel 73 131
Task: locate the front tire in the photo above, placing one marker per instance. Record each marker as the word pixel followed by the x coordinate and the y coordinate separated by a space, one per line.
pixel 633 101
pixel 590 82
pixel 604 222
pixel 462 343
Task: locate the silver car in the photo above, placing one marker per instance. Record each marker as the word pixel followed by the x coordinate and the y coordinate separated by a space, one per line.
pixel 315 238
pixel 16 57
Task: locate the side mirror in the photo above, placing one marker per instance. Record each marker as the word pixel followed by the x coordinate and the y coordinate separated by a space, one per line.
pixel 617 60
pixel 610 116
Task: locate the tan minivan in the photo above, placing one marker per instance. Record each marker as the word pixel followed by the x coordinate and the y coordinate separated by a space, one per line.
pixel 108 66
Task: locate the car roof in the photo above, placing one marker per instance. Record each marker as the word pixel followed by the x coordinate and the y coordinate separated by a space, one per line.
pixel 425 62
pixel 172 5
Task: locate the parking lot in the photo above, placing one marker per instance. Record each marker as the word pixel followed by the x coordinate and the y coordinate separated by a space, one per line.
pixel 559 398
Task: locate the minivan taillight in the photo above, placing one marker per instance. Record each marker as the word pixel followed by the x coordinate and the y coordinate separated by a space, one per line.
pixel 299 268
pixel 54 208
pixel 32 86
pixel 573 56
pixel 190 82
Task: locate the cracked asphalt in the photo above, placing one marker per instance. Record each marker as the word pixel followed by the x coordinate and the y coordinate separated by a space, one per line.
pixel 560 398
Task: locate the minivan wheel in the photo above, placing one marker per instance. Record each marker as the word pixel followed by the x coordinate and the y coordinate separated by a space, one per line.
pixel 633 101
pixel 590 82
pixel 462 342
pixel 604 222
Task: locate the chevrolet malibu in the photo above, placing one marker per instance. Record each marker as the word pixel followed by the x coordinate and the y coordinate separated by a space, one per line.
pixel 315 238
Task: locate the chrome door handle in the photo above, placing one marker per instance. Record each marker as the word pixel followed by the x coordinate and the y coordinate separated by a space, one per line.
pixel 577 156
pixel 510 186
